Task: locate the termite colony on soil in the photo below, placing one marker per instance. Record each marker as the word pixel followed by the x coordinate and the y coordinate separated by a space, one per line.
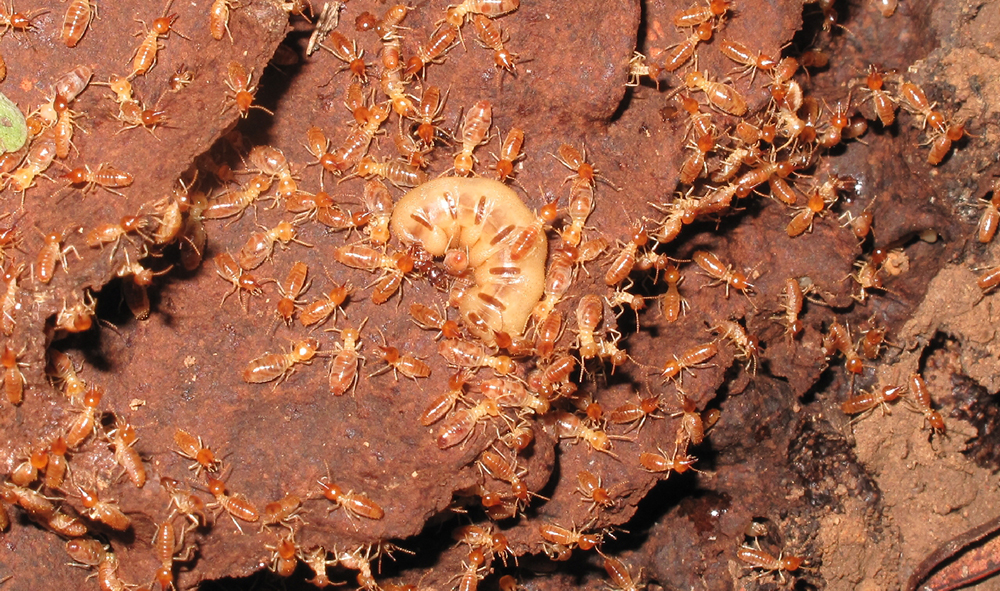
pixel 510 306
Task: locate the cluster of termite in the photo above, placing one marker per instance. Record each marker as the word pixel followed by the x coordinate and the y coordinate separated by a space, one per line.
pixel 498 271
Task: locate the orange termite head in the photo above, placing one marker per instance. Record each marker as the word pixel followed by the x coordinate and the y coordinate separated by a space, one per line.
pixel 476 557
pixel 165 577
pixel 151 118
pixel 463 163
pixel 404 263
pixel 9 357
pixel 426 134
pixel 331 491
pixel 693 80
pixel 936 120
pixel 790 563
pixel 306 349
pixel 76 176
pixel 704 31
pixel 456 261
pixel 39 459
pixel 891 393
pixel 936 420
pixel 92 397
pixel 389 354
pixel 491 499
pixel 87 498
pixel 854 365
pixel 413 65
pixel 286 549
pixel 161 26
pixel 243 101
pixel 216 486
pixel 549 211
pixel 60 104
pixel 58 447
pixel 955 132
pixel 286 307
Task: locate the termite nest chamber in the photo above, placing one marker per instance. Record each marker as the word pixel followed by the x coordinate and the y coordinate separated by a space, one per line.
pixel 504 318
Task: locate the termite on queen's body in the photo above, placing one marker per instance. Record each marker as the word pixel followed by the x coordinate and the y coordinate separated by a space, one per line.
pixel 474 132
pixel 278 366
pixel 558 280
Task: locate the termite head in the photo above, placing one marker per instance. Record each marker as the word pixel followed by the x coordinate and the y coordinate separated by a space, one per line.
pixel 693 80
pixel 161 26
pixel 76 176
pixel 463 163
